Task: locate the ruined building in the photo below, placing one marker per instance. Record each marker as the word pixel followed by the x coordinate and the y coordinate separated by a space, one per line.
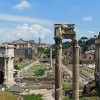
pixel 6 65
pixel 97 59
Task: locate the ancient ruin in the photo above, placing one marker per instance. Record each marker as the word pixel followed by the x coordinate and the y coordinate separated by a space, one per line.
pixel 6 65
pixel 66 31
pixel 97 59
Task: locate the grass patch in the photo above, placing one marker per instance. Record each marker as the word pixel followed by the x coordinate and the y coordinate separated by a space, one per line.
pixel 37 67
pixel 66 85
pixel 8 96
pixel 31 71
pixel 21 66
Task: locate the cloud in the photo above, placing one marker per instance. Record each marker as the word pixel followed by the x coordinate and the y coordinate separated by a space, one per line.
pixel 25 31
pixel 23 5
pixel 15 18
pixel 89 18
pixel 84 33
pixel 91 32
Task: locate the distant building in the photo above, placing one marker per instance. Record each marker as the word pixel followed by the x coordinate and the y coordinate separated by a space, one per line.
pixel 23 49
pixel 21 44
pixel 39 40
pixel 67 55
pixel 27 53
pixel 91 47
pixel 90 54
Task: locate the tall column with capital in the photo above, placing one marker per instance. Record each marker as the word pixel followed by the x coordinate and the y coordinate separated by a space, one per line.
pixel 58 69
pixel 75 94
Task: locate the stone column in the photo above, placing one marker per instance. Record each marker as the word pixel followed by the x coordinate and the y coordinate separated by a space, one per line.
pixel 75 94
pixel 99 65
pixel 98 56
pixel 58 69
pixel 5 72
pixel 96 61
pixel 51 58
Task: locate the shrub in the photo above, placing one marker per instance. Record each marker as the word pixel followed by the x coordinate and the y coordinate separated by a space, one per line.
pixel 39 72
pixel 16 67
pixel 33 97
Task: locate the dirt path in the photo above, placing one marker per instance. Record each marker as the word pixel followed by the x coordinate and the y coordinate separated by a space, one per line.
pixel 47 93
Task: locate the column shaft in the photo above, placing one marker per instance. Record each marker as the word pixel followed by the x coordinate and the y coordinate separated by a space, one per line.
pixel 75 94
pixel 95 61
pixel 58 70
pixel 5 72
pixel 50 58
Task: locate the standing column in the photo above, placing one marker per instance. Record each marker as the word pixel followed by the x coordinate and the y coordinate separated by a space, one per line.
pixel 51 58
pixel 99 64
pixel 58 69
pixel 5 72
pixel 99 58
pixel 97 67
pixel 75 94
pixel 96 61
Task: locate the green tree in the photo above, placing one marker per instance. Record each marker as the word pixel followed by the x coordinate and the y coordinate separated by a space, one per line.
pixel 47 51
pixel 84 39
pixel 53 53
pixel 40 49
pixel 20 59
pixel 16 67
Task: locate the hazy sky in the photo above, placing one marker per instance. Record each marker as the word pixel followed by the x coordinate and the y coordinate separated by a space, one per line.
pixel 30 19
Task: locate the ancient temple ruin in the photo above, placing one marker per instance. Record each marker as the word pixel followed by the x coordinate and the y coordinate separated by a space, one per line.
pixel 97 59
pixel 6 65
pixel 66 31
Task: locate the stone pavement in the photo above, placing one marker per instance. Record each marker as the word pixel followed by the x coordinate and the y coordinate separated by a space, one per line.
pixel 48 96
pixel 47 93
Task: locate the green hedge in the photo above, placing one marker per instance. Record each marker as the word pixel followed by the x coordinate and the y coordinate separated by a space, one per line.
pixel 33 97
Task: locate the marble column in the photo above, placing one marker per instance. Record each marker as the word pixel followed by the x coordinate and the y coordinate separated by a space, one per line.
pixel 58 69
pixel 75 95
pixel 51 58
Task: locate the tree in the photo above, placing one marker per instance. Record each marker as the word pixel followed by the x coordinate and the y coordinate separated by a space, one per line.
pixel 84 39
pixel 16 67
pixel 40 49
pixel 20 59
pixel 31 41
pixel 53 53
pixel 47 51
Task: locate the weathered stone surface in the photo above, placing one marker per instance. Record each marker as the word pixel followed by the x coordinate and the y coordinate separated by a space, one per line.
pixel 6 61
pixel 65 31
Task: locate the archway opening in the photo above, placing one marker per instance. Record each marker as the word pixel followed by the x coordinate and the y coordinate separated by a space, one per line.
pixel 1 77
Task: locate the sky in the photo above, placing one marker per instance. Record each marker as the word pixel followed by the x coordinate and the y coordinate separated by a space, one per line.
pixel 31 19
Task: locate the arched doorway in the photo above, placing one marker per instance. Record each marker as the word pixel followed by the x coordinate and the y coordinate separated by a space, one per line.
pixel 1 77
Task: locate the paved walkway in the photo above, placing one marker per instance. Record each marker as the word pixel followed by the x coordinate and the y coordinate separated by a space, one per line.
pixel 26 68
pixel 47 93
pixel 48 96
